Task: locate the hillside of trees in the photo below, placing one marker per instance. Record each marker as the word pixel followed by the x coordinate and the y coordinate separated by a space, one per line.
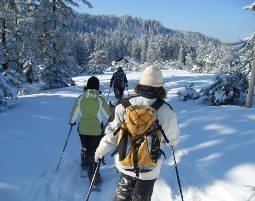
pixel 145 40
pixel 47 41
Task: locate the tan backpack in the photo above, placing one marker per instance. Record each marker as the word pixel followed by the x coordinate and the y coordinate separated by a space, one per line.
pixel 139 137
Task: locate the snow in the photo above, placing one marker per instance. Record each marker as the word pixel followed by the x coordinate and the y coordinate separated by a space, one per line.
pixel 215 156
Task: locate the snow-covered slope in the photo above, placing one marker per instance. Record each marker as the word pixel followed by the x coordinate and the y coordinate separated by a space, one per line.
pixel 215 156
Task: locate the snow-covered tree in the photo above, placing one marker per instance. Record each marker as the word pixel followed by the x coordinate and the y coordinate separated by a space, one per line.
pixel 226 89
pixel 2 60
pixel 144 43
pixel 152 52
pixel 28 58
pixel 31 71
pixel 251 45
pixel 81 52
pixel 8 37
pixel 190 58
pixel 134 49
pixel 57 76
pixel 182 55
pixel 250 7
pixel 14 79
pixel 8 94
pixel 55 41
pixel 225 60
pixel 163 48
pixel 97 62
pixel 188 93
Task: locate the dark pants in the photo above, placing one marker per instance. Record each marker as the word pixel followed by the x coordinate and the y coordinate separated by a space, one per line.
pixel 89 145
pixel 132 189
pixel 118 92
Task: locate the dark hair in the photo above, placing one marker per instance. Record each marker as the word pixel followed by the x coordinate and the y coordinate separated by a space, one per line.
pixel 93 83
pixel 158 92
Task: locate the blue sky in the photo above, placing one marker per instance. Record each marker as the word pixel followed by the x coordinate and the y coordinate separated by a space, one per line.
pixel 222 19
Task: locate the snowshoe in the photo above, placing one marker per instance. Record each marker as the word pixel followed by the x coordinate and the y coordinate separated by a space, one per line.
pixel 96 188
pixel 98 181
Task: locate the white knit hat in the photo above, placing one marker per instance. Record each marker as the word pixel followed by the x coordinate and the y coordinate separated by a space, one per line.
pixel 152 76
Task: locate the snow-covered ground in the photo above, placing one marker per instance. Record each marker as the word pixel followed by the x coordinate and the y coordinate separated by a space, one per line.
pixel 215 156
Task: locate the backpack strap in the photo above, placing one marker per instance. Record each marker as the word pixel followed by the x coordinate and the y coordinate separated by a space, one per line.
pixel 156 105
pixel 162 132
pixel 125 102
pixel 159 102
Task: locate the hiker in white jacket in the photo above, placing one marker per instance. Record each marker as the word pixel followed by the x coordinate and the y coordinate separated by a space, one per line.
pixel 149 89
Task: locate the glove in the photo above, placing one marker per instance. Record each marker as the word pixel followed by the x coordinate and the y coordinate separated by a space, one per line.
pixel 98 156
pixel 72 124
pixel 110 104
pixel 127 85
pixel 173 142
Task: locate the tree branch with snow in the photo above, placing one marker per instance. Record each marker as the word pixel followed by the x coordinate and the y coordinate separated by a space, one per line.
pixel 250 7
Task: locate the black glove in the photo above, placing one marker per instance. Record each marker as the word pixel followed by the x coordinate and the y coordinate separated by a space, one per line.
pixel 110 104
pixel 72 124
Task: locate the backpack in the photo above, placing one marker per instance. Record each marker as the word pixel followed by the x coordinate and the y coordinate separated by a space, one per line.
pixel 139 137
pixel 119 80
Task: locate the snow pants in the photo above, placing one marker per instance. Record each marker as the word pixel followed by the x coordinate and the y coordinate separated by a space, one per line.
pixel 132 189
pixel 118 92
pixel 89 145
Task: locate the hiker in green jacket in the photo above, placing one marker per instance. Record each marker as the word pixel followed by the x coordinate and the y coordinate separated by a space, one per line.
pixel 93 111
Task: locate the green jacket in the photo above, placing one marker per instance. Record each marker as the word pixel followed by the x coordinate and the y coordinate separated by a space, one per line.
pixel 91 109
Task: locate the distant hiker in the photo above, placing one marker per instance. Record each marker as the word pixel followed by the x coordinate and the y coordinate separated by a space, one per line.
pixel 140 124
pixel 119 82
pixel 92 110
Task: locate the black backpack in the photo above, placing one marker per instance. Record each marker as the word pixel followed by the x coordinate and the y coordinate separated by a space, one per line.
pixel 119 80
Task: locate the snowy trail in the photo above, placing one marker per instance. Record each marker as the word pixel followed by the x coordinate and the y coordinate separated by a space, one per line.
pixel 214 157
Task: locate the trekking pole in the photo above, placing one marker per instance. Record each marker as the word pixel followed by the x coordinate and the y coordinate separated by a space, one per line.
pixel 92 181
pixel 64 147
pixel 108 94
pixel 177 173
pixel 127 92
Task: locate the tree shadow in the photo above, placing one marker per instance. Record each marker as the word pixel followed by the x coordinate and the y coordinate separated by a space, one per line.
pixel 214 140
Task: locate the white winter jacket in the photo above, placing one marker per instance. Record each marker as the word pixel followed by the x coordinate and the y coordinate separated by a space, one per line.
pixel 167 119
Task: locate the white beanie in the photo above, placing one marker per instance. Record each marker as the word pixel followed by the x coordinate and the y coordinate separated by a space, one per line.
pixel 152 76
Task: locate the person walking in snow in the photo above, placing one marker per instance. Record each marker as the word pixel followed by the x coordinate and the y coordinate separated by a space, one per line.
pixel 92 110
pixel 119 82
pixel 135 184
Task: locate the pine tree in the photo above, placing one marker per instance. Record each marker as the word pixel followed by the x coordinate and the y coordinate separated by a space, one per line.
pixel 97 62
pixel 7 93
pixel 152 53
pixel 56 41
pixel 8 24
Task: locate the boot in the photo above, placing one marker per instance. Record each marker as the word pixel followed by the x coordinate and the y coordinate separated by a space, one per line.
pixel 84 159
pixel 98 180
